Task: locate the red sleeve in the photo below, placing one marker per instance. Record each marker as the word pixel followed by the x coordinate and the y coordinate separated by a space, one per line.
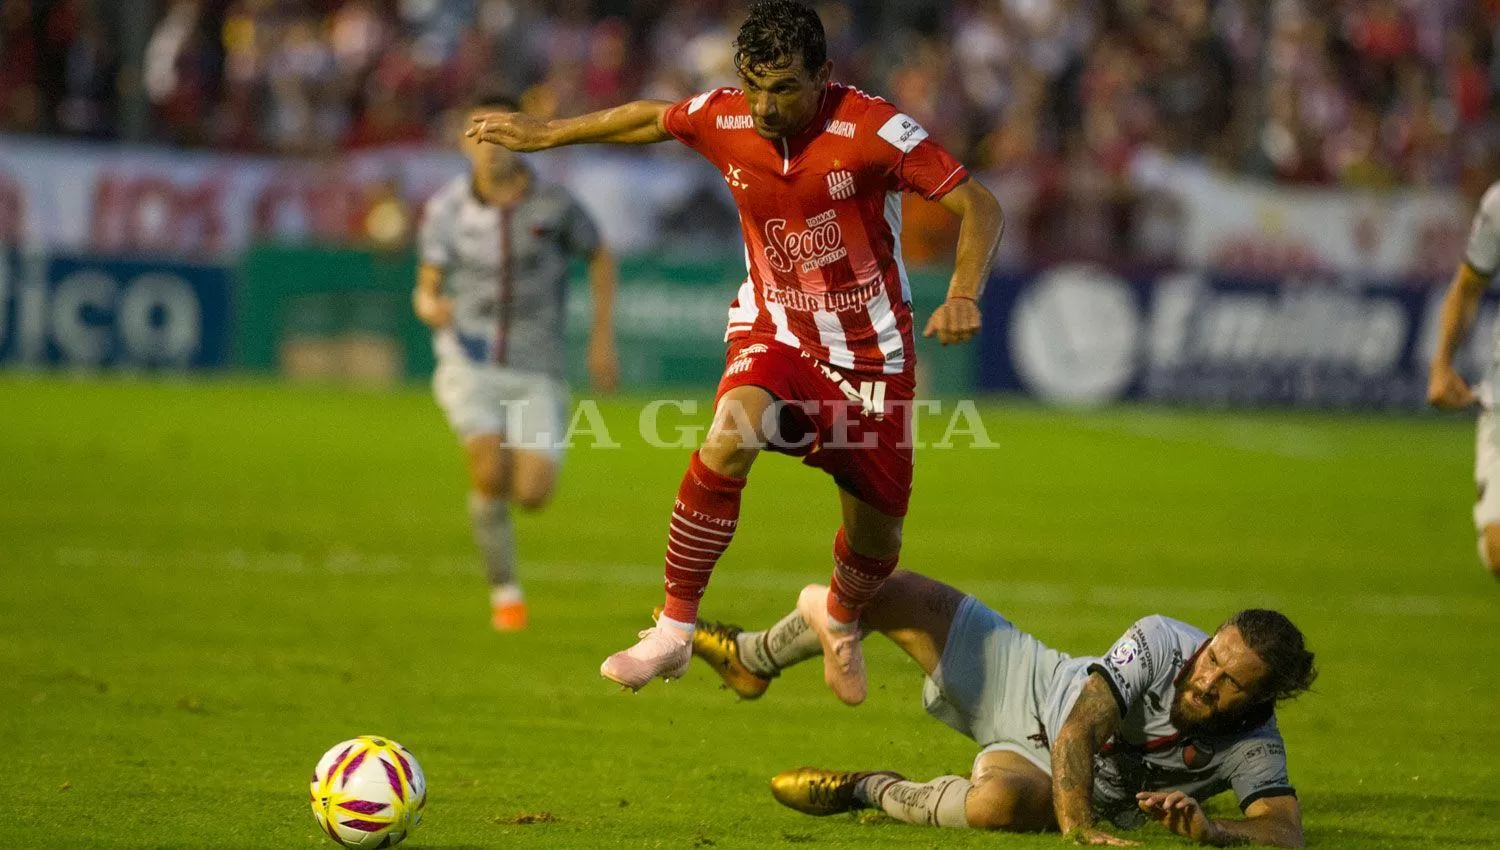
pixel 688 119
pixel 914 162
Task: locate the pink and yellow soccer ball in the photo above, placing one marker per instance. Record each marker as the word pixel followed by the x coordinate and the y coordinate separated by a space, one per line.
pixel 368 792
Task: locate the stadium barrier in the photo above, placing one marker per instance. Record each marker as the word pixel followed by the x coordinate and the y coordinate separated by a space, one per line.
pixel 113 313
pixel 345 314
pixel 1087 335
pixel 1072 334
pixel 338 313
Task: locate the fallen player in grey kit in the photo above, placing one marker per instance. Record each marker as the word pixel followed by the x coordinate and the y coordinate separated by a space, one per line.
pixel 1169 717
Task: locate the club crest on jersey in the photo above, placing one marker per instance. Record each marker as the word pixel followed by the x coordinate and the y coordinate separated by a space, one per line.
pixel 734 178
pixel 840 185
pixel 1124 652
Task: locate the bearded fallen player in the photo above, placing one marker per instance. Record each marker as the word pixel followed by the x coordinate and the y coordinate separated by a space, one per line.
pixel 1170 716
pixel 822 356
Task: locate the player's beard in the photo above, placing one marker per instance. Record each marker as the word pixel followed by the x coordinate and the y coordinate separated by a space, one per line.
pixel 1207 721
pixel 1182 714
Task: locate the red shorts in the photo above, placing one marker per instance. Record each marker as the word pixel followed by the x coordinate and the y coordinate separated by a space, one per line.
pixel 855 426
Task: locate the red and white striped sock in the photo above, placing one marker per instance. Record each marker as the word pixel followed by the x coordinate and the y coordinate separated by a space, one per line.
pixel 703 524
pixel 856 580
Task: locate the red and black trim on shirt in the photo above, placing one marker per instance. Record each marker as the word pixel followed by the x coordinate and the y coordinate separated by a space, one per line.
pixel 503 283
pixel 1264 793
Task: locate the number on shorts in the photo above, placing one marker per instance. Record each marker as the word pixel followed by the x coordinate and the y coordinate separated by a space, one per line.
pixel 872 397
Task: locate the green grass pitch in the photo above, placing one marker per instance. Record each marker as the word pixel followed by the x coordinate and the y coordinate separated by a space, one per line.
pixel 204 585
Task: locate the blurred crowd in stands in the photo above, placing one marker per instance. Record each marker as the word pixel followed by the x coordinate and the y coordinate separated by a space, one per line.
pixel 1373 94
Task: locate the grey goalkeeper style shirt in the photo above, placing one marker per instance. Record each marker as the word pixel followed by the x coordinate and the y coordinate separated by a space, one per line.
pixel 1148 753
pixel 506 269
pixel 1482 254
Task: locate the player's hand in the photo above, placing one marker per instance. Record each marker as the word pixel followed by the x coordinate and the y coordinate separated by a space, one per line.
pixel 957 320
pixel 604 364
pixel 1447 390
pixel 515 130
pixel 435 310
pixel 1179 813
pixel 1088 836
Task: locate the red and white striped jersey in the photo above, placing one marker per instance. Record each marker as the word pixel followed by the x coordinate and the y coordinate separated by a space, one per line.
pixel 821 214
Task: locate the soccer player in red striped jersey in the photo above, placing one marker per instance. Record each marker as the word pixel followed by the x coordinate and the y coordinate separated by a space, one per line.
pixel 821 353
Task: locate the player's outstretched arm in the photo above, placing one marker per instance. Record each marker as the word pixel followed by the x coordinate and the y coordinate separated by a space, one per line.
pixel 1446 389
pixel 1093 721
pixel 639 122
pixel 1273 821
pixel 981 222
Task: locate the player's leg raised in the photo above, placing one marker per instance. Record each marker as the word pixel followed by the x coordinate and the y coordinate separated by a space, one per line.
pixel 865 551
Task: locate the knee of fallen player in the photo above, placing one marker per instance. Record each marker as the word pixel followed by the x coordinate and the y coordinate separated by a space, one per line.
pixel 900 584
pixel 1489 548
pixel 1007 803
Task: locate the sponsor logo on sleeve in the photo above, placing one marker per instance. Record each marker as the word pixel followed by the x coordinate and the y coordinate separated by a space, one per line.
pixel 735 178
pixel 1124 652
pixel 733 122
pixel 903 132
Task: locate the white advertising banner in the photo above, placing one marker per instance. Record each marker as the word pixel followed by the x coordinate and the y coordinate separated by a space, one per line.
pixel 206 206
pixel 1241 226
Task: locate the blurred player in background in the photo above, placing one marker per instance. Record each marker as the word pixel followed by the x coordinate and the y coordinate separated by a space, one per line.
pixel 495 247
pixel 1447 389
pixel 1168 718
pixel 821 356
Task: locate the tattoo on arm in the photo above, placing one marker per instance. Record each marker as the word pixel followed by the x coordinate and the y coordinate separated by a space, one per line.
pixel 1093 720
pixel 1275 821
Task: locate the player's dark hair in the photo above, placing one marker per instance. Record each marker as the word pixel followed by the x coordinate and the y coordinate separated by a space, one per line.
pixel 1272 637
pixel 495 100
pixel 778 31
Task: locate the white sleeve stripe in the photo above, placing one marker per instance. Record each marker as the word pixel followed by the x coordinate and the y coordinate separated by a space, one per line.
pixel 945 182
pixel 697 103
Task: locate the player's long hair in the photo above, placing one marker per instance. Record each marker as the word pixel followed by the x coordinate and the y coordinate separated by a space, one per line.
pixel 1289 664
pixel 778 31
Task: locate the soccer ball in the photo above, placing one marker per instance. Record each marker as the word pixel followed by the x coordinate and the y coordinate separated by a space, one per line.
pixel 368 792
